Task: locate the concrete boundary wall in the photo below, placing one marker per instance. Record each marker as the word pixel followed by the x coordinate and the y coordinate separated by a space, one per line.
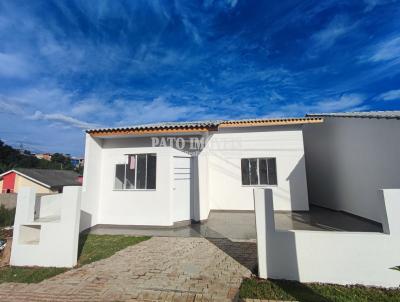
pixel 9 200
pixel 326 256
pixel 49 237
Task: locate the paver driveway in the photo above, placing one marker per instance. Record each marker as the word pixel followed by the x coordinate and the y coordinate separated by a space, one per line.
pixel 159 269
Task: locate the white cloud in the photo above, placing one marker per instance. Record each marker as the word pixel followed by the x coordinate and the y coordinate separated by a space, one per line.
pixel 159 109
pixel 61 108
pixel 390 95
pixel 188 19
pixel 10 106
pixel 93 106
pixel 13 66
pixel 371 4
pixel 387 50
pixel 214 3
pixel 274 96
pixel 327 36
pixel 62 119
pixel 191 29
pixel 345 102
pixel 232 3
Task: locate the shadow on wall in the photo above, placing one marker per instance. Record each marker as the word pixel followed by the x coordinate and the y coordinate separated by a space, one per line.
pixel 287 257
pixel 298 186
pixel 273 254
pixel 194 190
pixel 228 172
pixel 85 221
pixel 305 293
pixel 318 166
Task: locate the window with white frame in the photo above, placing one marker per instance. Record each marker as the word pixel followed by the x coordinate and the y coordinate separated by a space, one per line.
pixel 259 171
pixel 139 173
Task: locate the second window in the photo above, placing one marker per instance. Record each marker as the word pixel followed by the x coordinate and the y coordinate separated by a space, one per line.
pixel 258 171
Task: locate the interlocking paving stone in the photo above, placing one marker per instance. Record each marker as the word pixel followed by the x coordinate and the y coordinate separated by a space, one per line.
pixel 159 269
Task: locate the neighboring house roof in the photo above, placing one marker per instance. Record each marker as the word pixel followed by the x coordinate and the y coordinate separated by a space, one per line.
pixel 47 177
pixel 363 114
pixel 212 125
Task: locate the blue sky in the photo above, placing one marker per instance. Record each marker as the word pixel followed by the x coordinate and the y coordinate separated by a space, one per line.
pixel 70 65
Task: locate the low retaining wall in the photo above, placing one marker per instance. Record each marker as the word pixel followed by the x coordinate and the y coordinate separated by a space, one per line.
pixel 48 237
pixel 9 200
pixel 327 256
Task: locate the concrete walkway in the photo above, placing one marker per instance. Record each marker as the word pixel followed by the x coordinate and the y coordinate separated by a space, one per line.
pixel 159 269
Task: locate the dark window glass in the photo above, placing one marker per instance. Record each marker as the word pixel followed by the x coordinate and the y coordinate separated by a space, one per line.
pixel 253 171
pixel 263 171
pixel 119 177
pixel 141 171
pixel 272 179
pixel 151 171
pixel 130 172
pixel 259 171
pixel 245 172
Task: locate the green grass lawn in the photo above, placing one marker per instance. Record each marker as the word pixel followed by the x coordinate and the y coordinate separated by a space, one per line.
pixel 310 292
pixel 91 248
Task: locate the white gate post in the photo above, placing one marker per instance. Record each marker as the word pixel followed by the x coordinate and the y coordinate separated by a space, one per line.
pixel 265 224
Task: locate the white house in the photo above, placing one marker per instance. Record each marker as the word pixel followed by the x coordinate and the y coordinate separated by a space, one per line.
pixel 356 154
pixel 171 173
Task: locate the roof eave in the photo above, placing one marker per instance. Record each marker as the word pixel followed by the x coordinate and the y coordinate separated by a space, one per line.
pixel 131 131
pixel 365 115
pixel 127 132
pixel 272 122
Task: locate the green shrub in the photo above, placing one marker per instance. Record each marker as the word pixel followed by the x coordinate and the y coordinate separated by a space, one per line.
pixel 6 216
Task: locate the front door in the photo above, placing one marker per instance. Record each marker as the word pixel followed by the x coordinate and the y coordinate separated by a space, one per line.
pixel 182 188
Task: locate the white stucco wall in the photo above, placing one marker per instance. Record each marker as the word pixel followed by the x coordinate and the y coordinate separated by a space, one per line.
pixel 49 206
pixel 91 182
pixel 135 207
pixel 327 256
pixel 127 207
pixel 349 159
pixel 228 146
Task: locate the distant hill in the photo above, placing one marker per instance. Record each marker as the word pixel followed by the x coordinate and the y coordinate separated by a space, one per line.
pixel 11 158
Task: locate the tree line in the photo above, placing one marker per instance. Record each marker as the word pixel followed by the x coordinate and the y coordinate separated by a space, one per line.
pixel 11 158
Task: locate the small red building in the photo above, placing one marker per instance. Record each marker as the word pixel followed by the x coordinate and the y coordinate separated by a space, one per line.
pixel 43 180
pixel 8 183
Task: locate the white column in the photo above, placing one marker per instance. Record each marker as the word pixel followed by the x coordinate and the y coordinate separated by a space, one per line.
pixel 265 225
